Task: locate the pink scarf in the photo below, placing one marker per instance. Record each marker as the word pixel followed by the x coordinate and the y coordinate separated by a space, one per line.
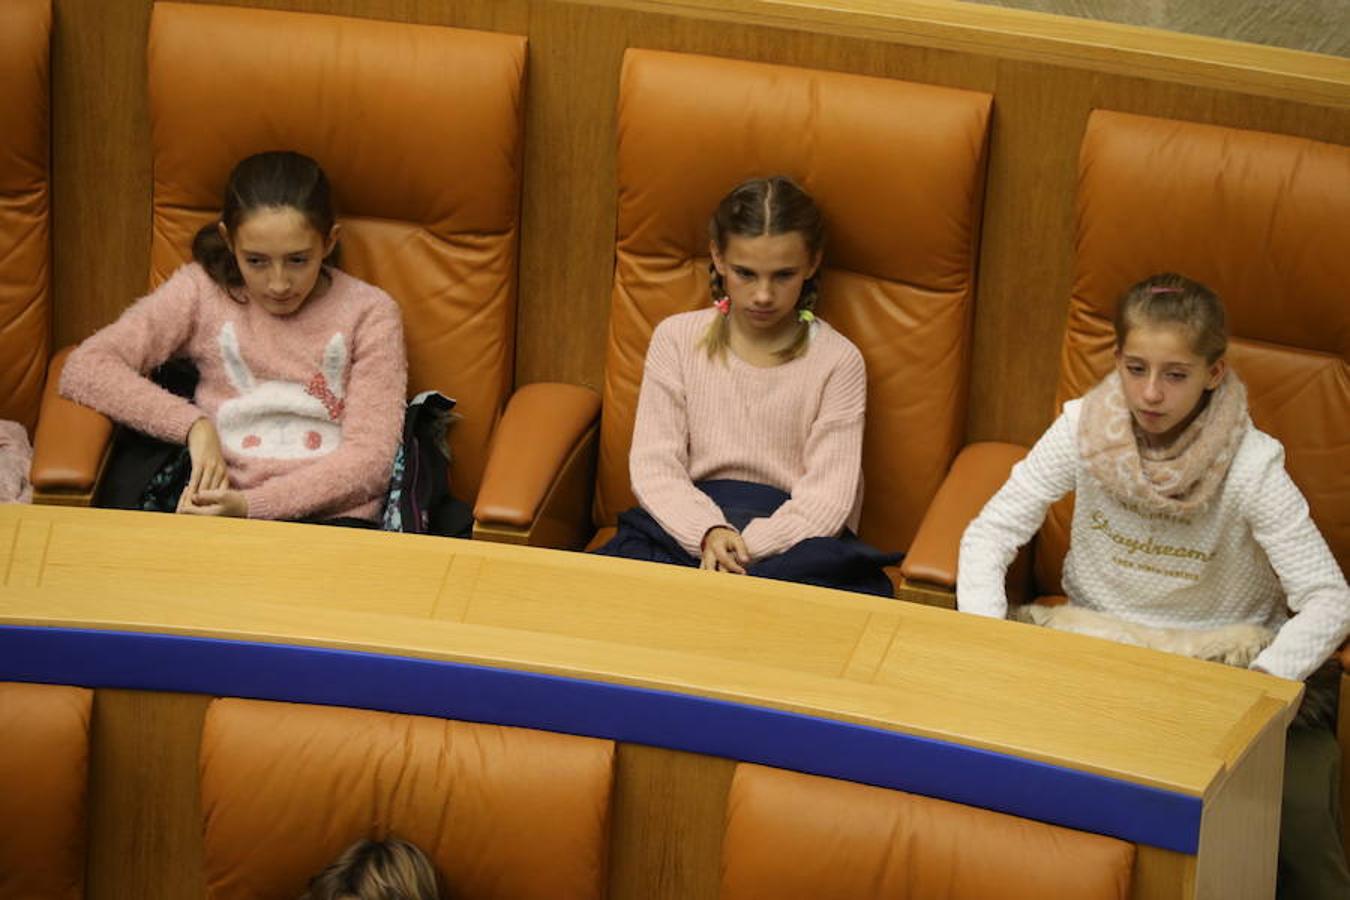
pixel 1179 480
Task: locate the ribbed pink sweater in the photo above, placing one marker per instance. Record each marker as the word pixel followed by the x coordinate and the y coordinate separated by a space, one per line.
pixel 309 406
pixel 796 426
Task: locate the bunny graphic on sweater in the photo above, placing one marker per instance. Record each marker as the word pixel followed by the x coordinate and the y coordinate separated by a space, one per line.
pixel 282 419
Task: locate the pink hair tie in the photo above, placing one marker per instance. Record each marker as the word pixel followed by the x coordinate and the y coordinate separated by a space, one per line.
pixel 1163 289
pixel 723 305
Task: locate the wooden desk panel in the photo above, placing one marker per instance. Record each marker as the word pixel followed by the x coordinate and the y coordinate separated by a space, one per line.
pixel 624 606
pixel 1088 704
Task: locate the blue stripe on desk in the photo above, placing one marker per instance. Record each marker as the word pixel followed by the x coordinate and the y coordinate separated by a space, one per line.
pixel 1033 790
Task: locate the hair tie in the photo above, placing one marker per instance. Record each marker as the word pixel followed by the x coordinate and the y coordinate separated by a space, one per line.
pixel 1164 289
pixel 723 305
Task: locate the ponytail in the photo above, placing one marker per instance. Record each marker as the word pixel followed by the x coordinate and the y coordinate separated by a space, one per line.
pixel 215 256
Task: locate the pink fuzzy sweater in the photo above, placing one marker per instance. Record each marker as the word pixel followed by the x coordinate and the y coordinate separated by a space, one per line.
pixel 309 406
pixel 16 456
pixel 796 426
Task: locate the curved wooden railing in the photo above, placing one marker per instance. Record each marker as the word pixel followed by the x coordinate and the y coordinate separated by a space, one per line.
pixel 1178 756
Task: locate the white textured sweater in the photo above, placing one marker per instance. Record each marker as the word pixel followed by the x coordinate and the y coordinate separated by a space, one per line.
pixel 797 426
pixel 1254 550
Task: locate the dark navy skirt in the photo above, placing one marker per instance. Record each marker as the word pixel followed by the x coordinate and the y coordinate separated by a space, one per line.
pixel 843 562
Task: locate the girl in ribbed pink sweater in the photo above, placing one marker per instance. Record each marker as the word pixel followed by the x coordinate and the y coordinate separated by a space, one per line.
pixel 298 409
pixel 747 449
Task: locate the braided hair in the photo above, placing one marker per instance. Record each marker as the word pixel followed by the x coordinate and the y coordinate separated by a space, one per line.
pixel 756 208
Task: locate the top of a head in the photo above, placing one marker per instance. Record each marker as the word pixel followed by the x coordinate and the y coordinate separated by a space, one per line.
pixel 391 869
pixel 768 206
pixel 1171 299
pixel 278 179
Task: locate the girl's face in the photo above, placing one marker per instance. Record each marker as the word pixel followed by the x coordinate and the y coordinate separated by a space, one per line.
pixel 280 255
pixel 1165 379
pixel 763 277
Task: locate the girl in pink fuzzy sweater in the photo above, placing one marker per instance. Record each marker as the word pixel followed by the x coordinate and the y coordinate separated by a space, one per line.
pixel 298 410
pixel 747 448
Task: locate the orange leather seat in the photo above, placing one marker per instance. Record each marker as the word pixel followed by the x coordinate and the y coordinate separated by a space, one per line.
pixel 504 813
pixel 898 170
pixel 1260 219
pixel 44 771
pixel 420 130
pixel 793 836
pixel 25 206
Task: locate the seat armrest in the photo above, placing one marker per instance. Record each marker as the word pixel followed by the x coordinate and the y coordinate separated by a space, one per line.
pixel 540 470
pixel 70 445
pixel 976 475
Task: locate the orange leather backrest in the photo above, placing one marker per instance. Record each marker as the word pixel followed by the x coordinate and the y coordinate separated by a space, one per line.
pixel 793 836
pixel 25 204
pixel 420 131
pixel 898 171
pixel 503 813
pixel 1262 220
pixel 44 770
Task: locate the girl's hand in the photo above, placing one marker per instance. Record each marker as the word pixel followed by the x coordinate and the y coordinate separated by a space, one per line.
pixel 724 551
pixel 219 502
pixel 208 463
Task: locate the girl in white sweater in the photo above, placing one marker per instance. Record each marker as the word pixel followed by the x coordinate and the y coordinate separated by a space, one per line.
pixel 1185 518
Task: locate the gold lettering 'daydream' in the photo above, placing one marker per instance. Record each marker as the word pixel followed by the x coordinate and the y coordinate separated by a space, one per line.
pixel 1146 545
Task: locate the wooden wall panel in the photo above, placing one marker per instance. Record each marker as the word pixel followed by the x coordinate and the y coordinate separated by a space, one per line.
pixel 567 241
pixel 145 821
pixel 100 162
pixel 1046 72
pixel 1026 251
pixel 666 826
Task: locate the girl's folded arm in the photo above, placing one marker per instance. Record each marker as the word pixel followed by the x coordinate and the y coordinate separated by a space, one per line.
pixel 1315 589
pixel 107 372
pixel 659 459
pixel 1011 517
pixel 372 424
pixel 823 497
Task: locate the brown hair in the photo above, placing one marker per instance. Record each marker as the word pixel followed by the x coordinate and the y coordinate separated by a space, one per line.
pixel 1176 300
pixel 392 869
pixel 755 208
pixel 275 179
